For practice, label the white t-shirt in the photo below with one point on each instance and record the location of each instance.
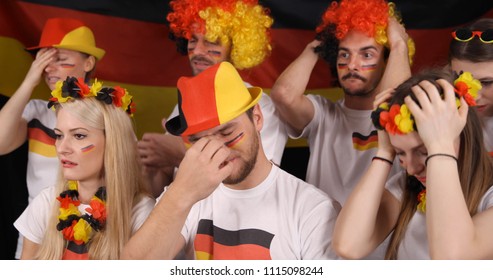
(281, 218)
(42, 163)
(33, 221)
(273, 134)
(414, 245)
(342, 143)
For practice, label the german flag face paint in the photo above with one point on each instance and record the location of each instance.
(235, 141)
(369, 67)
(87, 149)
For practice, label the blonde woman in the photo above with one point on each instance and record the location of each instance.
(99, 200)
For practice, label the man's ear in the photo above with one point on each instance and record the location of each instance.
(258, 117)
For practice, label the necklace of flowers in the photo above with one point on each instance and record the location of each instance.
(74, 226)
(422, 200)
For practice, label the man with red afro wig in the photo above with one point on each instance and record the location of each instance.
(210, 32)
(368, 50)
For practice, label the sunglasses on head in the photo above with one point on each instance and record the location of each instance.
(465, 35)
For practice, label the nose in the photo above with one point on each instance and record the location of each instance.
(63, 146)
(200, 48)
(50, 67)
(353, 63)
(413, 165)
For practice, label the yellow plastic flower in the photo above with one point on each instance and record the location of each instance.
(72, 185)
(82, 231)
(473, 84)
(403, 120)
(126, 100)
(384, 106)
(96, 87)
(66, 212)
(57, 92)
(422, 201)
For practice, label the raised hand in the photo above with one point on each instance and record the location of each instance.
(202, 169)
(438, 120)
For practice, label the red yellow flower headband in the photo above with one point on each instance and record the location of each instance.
(397, 119)
(76, 88)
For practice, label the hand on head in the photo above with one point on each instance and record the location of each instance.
(203, 168)
(396, 33)
(43, 58)
(438, 120)
(385, 149)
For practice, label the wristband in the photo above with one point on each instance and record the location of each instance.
(382, 159)
(443, 155)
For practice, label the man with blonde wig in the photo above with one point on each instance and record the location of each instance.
(210, 32)
(368, 50)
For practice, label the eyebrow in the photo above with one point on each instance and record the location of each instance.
(361, 49)
(227, 126)
(73, 129)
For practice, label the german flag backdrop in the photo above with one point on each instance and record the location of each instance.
(142, 58)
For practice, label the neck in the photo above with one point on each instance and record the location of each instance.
(87, 189)
(359, 102)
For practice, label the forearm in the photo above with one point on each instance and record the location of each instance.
(398, 69)
(450, 227)
(288, 92)
(359, 228)
(160, 235)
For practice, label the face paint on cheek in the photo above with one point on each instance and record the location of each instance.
(369, 67)
(214, 53)
(190, 51)
(235, 140)
(87, 149)
(67, 66)
(342, 66)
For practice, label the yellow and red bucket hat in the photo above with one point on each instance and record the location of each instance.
(215, 96)
(70, 34)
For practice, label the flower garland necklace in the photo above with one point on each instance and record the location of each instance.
(422, 201)
(74, 226)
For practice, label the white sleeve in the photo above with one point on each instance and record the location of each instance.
(33, 221)
(141, 211)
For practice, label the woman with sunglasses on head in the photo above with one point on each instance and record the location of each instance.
(471, 50)
(67, 48)
(100, 197)
(441, 206)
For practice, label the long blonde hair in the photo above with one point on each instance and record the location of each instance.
(122, 177)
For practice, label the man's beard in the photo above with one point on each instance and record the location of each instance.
(202, 59)
(248, 164)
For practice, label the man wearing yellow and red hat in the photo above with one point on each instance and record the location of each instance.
(209, 32)
(67, 48)
(228, 201)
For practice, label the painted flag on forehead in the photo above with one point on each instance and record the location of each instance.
(140, 56)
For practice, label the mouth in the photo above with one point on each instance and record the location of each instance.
(480, 108)
(67, 164)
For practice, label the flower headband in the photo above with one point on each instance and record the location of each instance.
(397, 119)
(76, 88)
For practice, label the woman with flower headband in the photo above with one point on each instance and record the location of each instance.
(99, 200)
(442, 208)
(67, 47)
(471, 50)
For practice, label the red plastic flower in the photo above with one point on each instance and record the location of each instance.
(118, 95)
(97, 210)
(84, 88)
(68, 232)
(66, 201)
